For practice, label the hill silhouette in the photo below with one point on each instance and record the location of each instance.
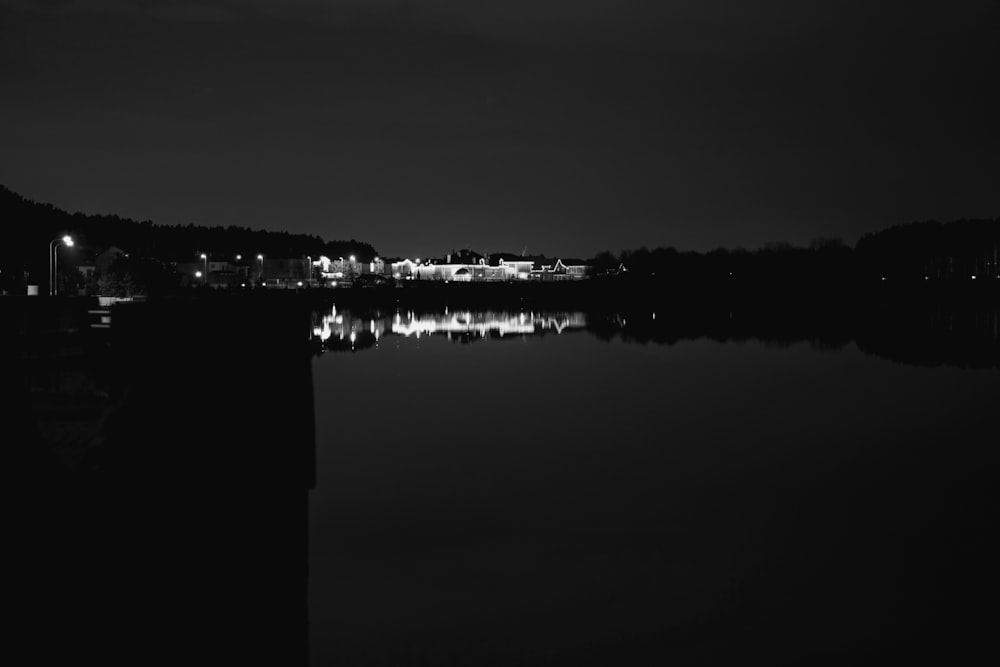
(29, 226)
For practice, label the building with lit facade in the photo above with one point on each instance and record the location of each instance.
(498, 268)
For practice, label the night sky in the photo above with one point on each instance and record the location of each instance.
(565, 127)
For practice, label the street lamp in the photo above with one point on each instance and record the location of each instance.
(67, 241)
(260, 276)
(204, 259)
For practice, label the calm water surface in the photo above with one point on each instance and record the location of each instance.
(542, 499)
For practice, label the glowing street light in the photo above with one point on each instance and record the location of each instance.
(197, 274)
(204, 259)
(67, 241)
(260, 276)
(353, 259)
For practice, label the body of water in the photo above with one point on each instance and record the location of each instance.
(508, 488)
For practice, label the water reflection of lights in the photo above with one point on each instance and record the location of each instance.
(484, 323)
(342, 325)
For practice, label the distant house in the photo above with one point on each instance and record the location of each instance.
(516, 267)
(86, 263)
(469, 266)
(214, 272)
(576, 268)
(107, 257)
(86, 270)
(287, 272)
(401, 269)
(570, 269)
(345, 270)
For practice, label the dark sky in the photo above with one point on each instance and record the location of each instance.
(564, 126)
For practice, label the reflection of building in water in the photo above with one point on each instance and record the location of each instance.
(341, 329)
(341, 325)
(484, 323)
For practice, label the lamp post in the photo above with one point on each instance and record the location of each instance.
(66, 240)
(204, 259)
(260, 275)
(309, 271)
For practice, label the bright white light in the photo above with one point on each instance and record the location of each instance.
(353, 337)
(417, 260)
(239, 257)
(197, 274)
(243, 284)
(68, 240)
(204, 256)
(973, 277)
(260, 256)
(352, 258)
(300, 283)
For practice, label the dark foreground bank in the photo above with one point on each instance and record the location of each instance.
(176, 533)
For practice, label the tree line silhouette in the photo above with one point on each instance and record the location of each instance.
(30, 226)
(920, 251)
(929, 252)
